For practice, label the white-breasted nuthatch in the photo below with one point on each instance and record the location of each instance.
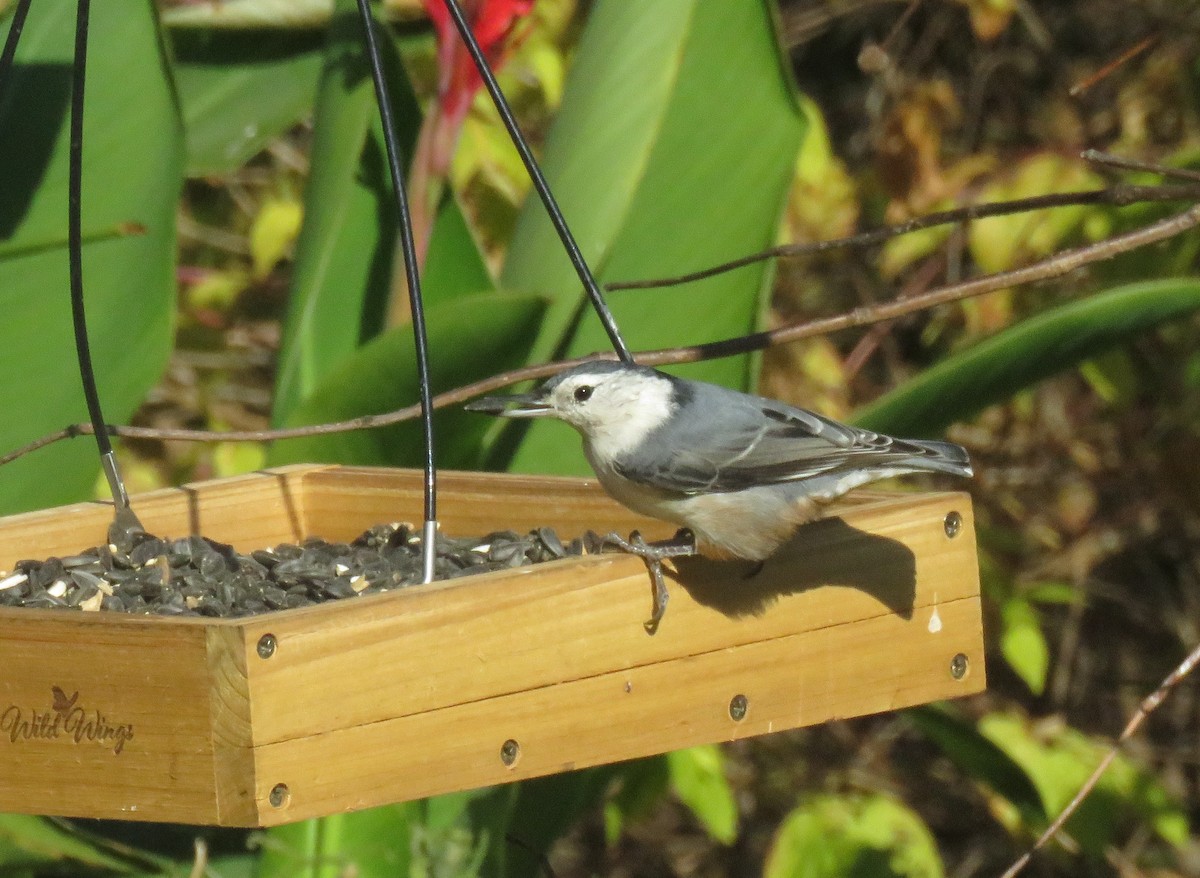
(742, 473)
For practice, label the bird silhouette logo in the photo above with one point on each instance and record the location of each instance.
(63, 704)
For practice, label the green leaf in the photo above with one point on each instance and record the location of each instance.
(835, 836)
(454, 267)
(1023, 643)
(27, 841)
(239, 91)
(133, 169)
(273, 232)
(1059, 759)
(469, 339)
(995, 369)
(233, 866)
(643, 783)
(344, 254)
(673, 150)
(1002, 242)
(370, 844)
(979, 759)
(547, 807)
(250, 14)
(698, 778)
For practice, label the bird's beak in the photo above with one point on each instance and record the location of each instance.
(521, 405)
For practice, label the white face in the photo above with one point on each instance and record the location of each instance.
(614, 410)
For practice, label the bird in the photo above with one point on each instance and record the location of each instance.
(739, 473)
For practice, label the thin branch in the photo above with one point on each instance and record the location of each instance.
(1148, 706)
(1127, 164)
(1116, 196)
(1105, 71)
(1052, 267)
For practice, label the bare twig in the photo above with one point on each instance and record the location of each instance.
(1148, 706)
(1105, 71)
(1116, 196)
(1127, 164)
(1054, 266)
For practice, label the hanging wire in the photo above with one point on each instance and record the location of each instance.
(539, 182)
(10, 43)
(124, 515)
(428, 544)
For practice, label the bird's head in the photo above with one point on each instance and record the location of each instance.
(611, 403)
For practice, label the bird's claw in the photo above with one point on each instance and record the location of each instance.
(682, 545)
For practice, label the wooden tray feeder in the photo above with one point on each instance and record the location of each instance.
(475, 681)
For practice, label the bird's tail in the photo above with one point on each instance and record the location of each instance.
(906, 456)
(938, 457)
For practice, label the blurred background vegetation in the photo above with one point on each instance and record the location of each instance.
(241, 273)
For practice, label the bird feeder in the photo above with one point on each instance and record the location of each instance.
(464, 683)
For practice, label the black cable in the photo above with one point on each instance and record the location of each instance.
(10, 44)
(411, 272)
(539, 183)
(75, 229)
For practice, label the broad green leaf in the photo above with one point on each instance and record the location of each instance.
(995, 369)
(834, 836)
(376, 843)
(239, 91)
(673, 151)
(27, 841)
(698, 778)
(133, 168)
(291, 850)
(454, 266)
(980, 759)
(1023, 643)
(344, 255)
(1059, 759)
(469, 339)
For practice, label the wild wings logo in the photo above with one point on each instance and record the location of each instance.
(65, 719)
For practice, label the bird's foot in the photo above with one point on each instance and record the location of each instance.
(682, 545)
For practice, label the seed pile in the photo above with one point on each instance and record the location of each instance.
(196, 576)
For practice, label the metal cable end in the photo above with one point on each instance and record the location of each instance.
(429, 550)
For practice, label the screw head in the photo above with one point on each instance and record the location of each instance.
(737, 707)
(510, 752)
(959, 665)
(279, 795)
(953, 524)
(266, 646)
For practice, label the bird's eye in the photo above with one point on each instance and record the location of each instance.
(583, 393)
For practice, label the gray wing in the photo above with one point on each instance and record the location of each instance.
(721, 440)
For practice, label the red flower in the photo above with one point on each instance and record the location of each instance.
(491, 21)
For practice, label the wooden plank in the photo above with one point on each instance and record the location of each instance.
(472, 504)
(106, 720)
(884, 663)
(229, 705)
(450, 643)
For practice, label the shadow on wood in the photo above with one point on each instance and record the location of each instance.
(828, 552)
